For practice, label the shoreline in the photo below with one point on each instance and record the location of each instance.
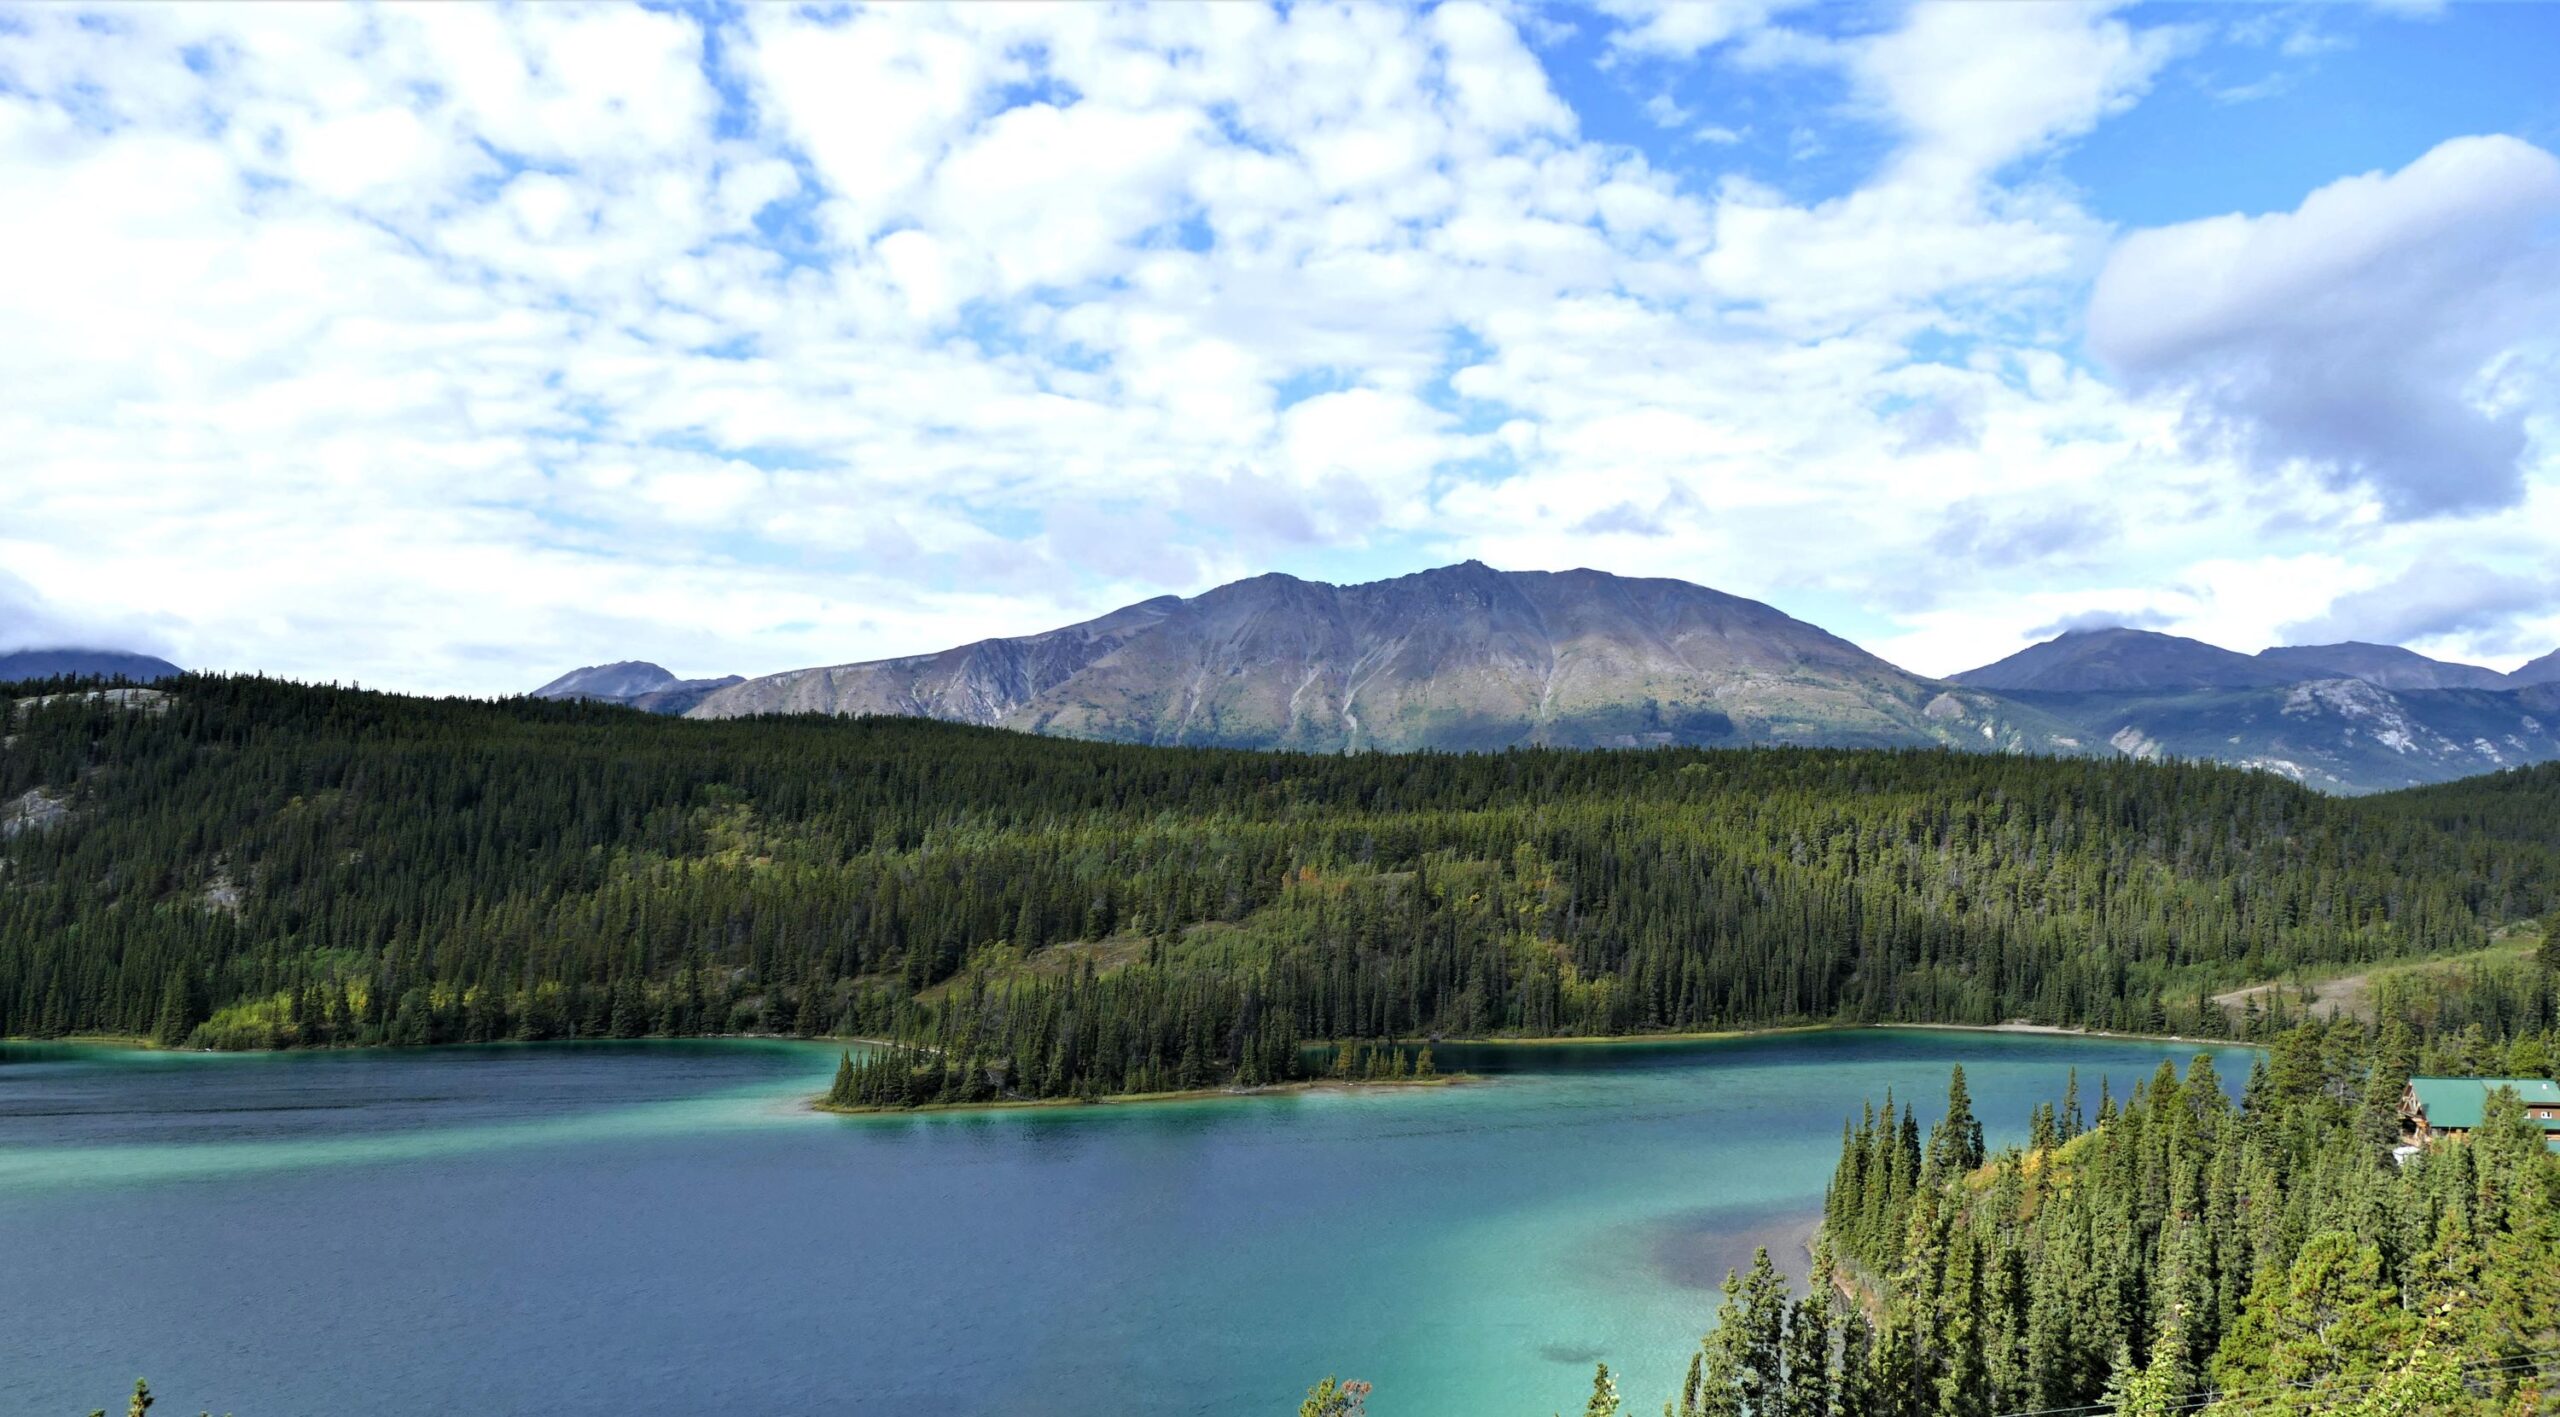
(2063, 1030)
(2055, 1030)
(138, 1043)
(1145, 1099)
(1550, 1041)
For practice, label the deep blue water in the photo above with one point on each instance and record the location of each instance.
(659, 1228)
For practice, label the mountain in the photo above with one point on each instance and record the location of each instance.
(635, 684)
(2081, 661)
(2338, 735)
(2545, 670)
(1460, 657)
(19, 665)
(1470, 658)
(2389, 666)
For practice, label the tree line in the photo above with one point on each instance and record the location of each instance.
(266, 864)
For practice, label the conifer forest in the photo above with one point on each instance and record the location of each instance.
(251, 863)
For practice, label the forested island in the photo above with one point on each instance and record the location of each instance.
(245, 863)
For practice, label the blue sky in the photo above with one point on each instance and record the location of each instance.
(448, 347)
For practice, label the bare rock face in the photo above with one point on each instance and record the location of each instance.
(1461, 657)
(32, 810)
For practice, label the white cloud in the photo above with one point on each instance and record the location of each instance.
(2363, 334)
(1680, 29)
(444, 347)
(2439, 599)
(1979, 86)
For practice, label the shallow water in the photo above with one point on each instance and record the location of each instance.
(659, 1228)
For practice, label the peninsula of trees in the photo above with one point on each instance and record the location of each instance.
(2183, 1255)
(256, 864)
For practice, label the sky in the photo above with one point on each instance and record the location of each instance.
(446, 348)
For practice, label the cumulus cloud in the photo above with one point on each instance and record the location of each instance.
(1971, 90)
(30, 620)
(2361, 335)
(444, 347)
(2433, 599)
(2079, 620)
(1679, 29)
(1970, 533)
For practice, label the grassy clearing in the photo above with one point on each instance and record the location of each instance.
(2348, 990)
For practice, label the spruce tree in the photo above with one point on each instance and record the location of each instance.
(1604, 1394)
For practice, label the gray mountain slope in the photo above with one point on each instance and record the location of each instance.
(1460, 657)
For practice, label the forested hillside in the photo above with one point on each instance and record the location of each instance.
(250, 863)
(2182, 1254)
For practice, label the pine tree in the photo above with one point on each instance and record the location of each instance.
(1956, 1143)
(1335, 1398)
(177, 1016)
(1763, 1339)
(1808, 1350)
(1604, 1394)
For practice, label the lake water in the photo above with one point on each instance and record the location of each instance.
(643, 1229)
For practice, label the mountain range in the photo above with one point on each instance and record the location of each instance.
(18, 666)
(1461, 657)
(2119, 659)
(1467, 657)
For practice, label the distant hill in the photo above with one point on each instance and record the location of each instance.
(2387, 665)
(634, 683)
(2338, 735)
(2351, 717)
(2545, 670)
(18, 666)
(1459, 657)
(2116, 659)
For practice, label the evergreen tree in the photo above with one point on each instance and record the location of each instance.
(1604, 1395)
(177, 1016)
(1334, 1397)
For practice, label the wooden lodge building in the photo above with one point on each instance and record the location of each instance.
(2436, 1108)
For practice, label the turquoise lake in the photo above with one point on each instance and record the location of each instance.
(661, 1228)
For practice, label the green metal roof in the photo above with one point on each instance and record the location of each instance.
(2457, 1102)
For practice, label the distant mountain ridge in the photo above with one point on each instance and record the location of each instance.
(2350, 717)
(2120, 659)
(634, 683)
(18, 666)
(1460, 656)
(2082, 661)
(2545, 670)
(2388, 666)
(1467, 657)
